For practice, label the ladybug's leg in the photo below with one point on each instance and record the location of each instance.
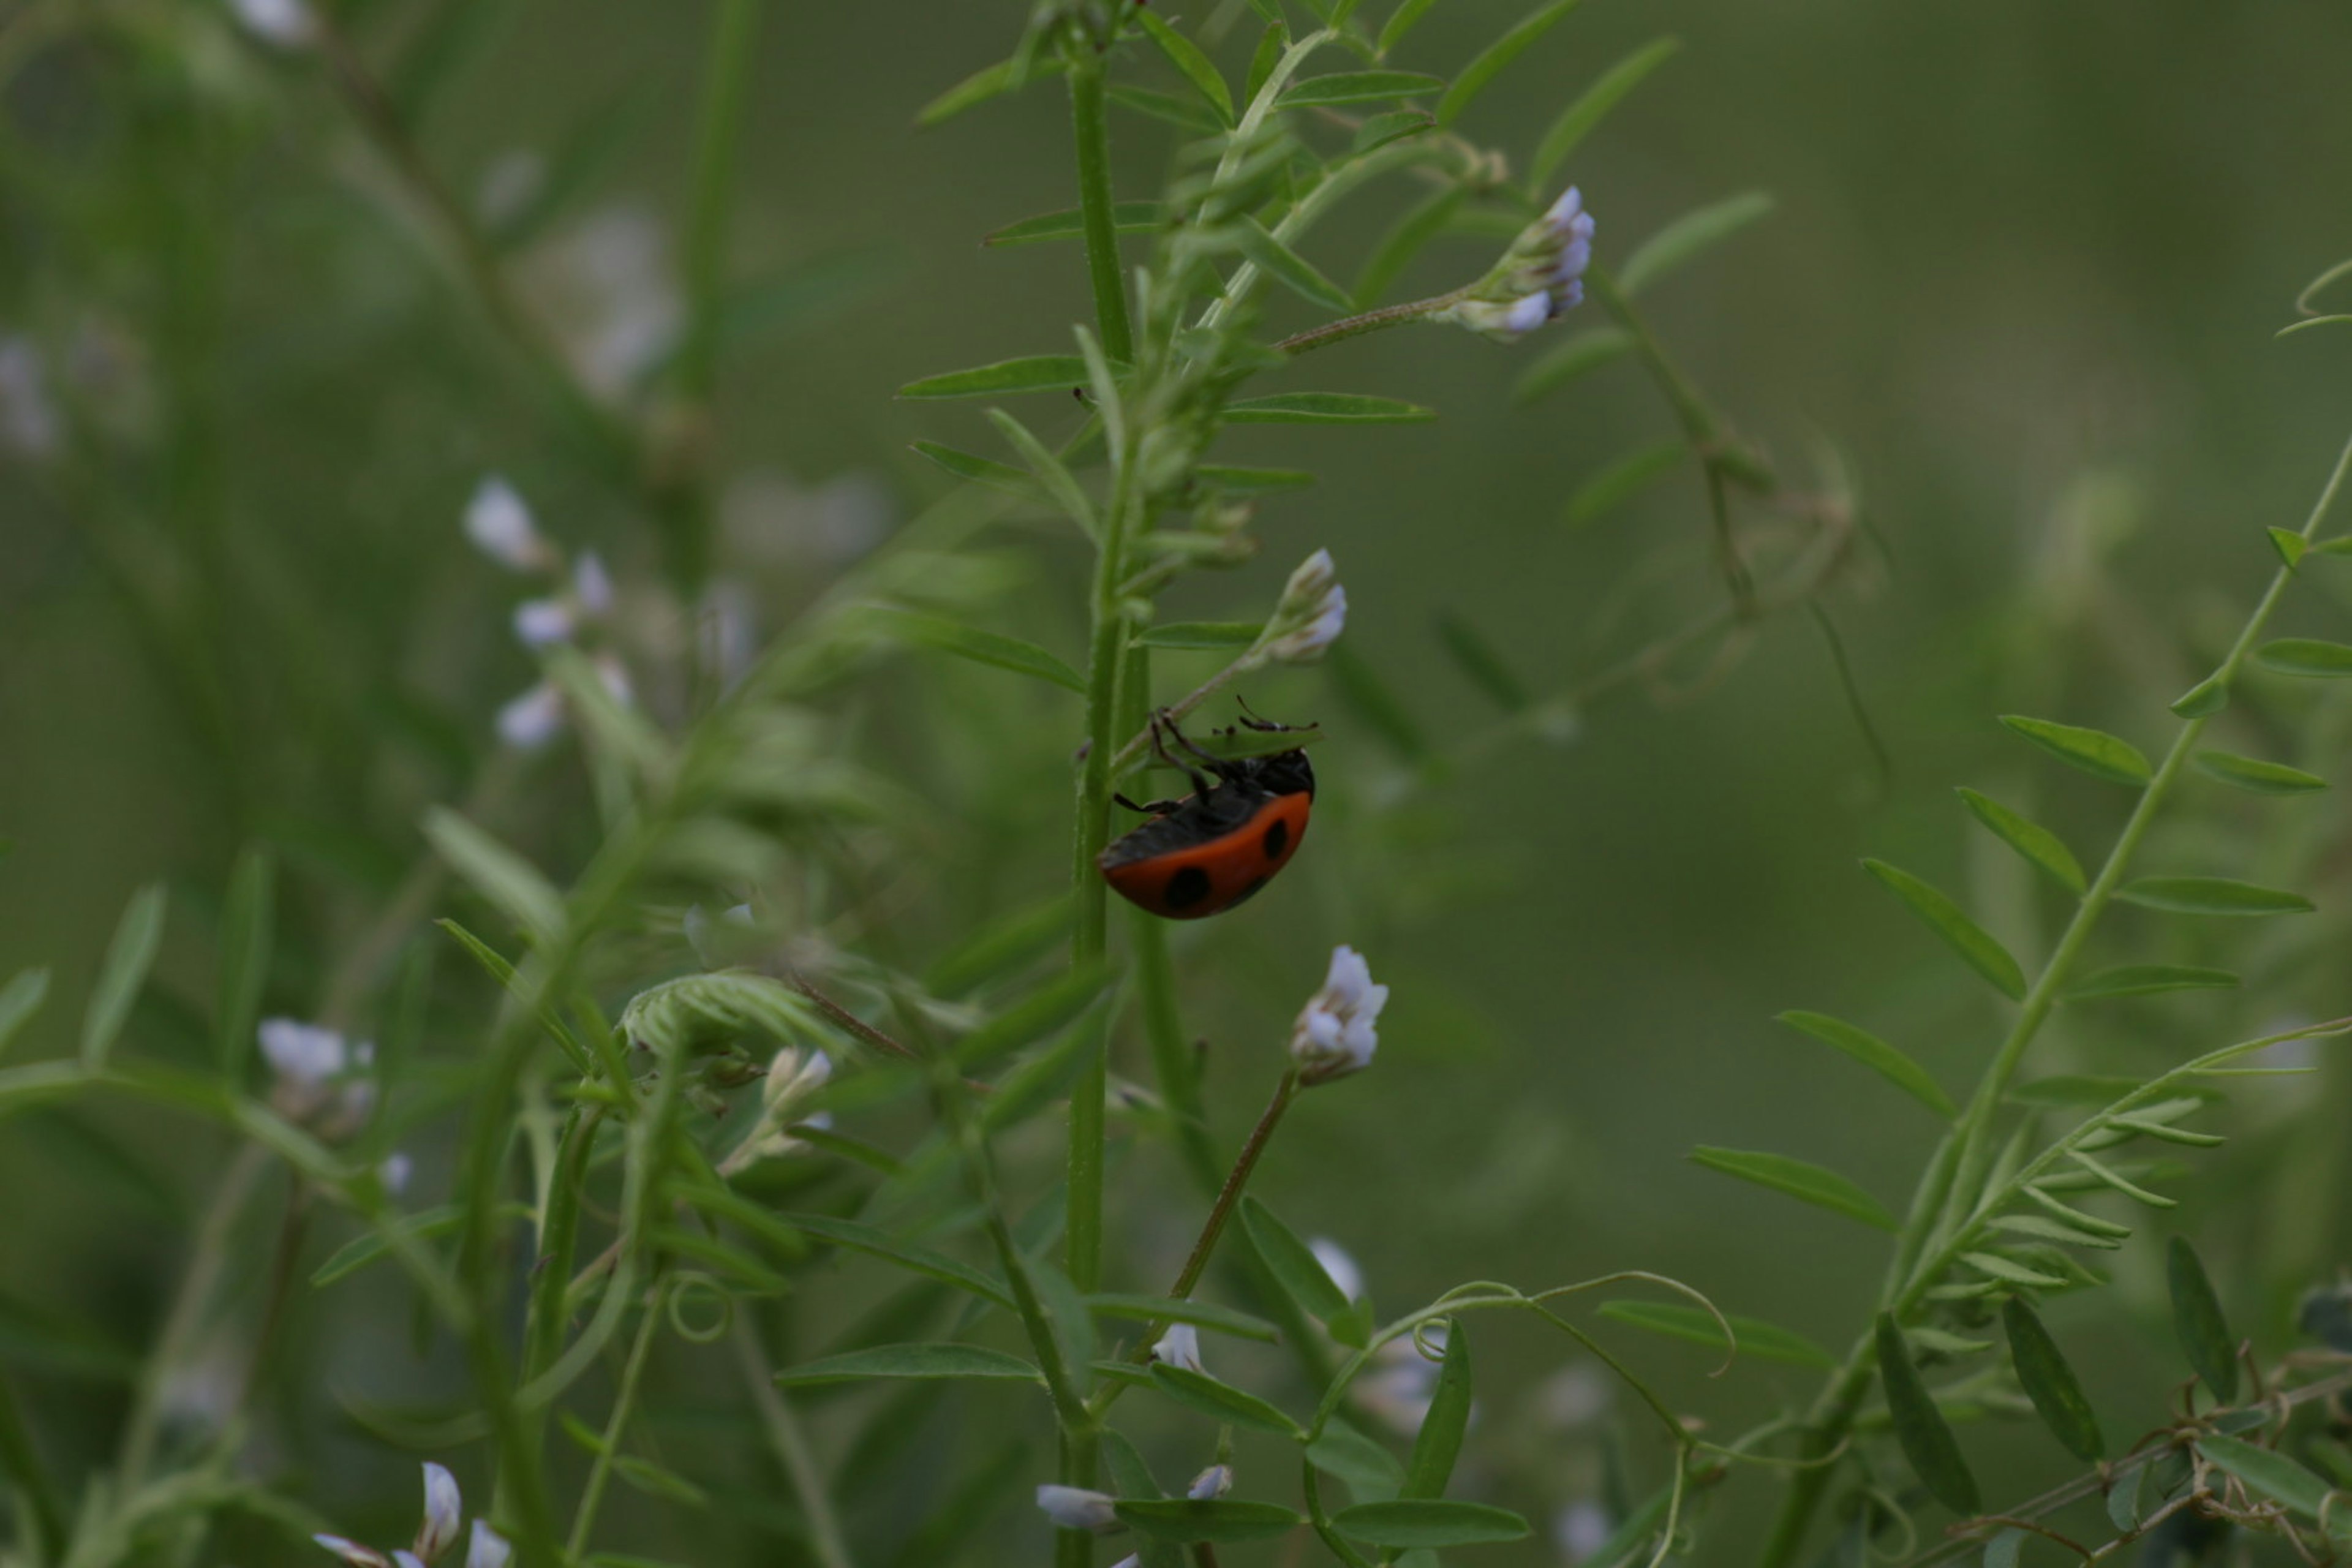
(1151, 808)
(1162, 726)
(1268, 726)
(1217, 764)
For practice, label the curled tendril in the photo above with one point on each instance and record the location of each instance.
(687, 1282)
(2304, 307)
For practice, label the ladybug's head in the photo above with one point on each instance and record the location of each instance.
(1284, 773)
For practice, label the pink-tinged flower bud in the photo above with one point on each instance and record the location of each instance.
(1074, 1508)
(1335, 1034)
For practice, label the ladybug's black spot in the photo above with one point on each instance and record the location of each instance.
(1187, 888)
(1277, 839)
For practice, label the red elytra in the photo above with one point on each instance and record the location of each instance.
(1216, 847)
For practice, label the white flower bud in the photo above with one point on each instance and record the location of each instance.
(499, 522)
(533, 719)
(1538, 280)
(352, 1553)
(1180, 1346)
(286, 23)
(1335, 1034)
(1074, 1508)
(538, 623)
(1342, 1267)
(444, 1511)
(395, 1172)
(487, 1548)
(1311, 614)
(592, 585)
(302, 1055)
(1213, 1482)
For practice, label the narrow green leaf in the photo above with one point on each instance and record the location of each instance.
(1357, 87)
(1370, 1470)
(1591, 106)
(2206, 698)
(1380, 130)
(916, 1259)
(1126, 217)
(1439, 1442)
(1478, 73)
(1222, 1402)
(990, 648)
(1291, 270)
(512, 885)
(1409, 1523)
(916, 1361)
(1402, 244)
(1292, 1262)
(1480, 663)
(120, 978)
(1201, 1314)
(1224, 634)
(1800, 1180)
(1876, 1054)
(1050, 471)
(248, 925)
(2108, 1176)
(1583, 352)
(2211, 896)
(2259, 777)
(2271, 1474)
(2004, 1547)
(2306, 656)
(2040, 846)
(362, 1250)
(1253, 481)
(2059, 1090)
(1943, 1343)
(1974, 945)
(2050, 1384)
(1033, 373)
(2147, 980)
(986, 471)
(654, 1481)
(1271, 45)
(1035, 1016)
(992, 81)
(2009, 1271)
(1187, 114)
(1001, 948)
(2290, 546)
(1623, 479)
(19, 1000)
(1218, 1519)
(1400, 22)
(2097, 753)
(1767, 1342)
(1689, 237)
(1325, 408)
(1926, 1442)
(2074, 1219)
(2197, 1320)
(1194, 65)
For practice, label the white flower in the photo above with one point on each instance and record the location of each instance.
(608, 292)
(1213, 1482)
(793, 1079)
(487, 1548)
(1581, 1529)
(1074, 1508)
(1402, 1382)
(28, 419)
(1576, 1397)
(352, 1553)
(591, 584)
(1334, 1035)
(303, 1054)
(1342, 1267)
(395, 1172)
(1132, 1559)
(1569, 229)
(316, 1074)
(444, 1510)
(615, 678)
(286, 23)
(1180, 1346)
(1311, 614)
(499, 522)
(1538, 280)
(533, 719)
(538, 623)
(407, 1560)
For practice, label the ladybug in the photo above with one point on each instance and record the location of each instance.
(1217, 847)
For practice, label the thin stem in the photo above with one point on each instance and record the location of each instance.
(1356, 326)
(591, 1495)
(792, 1447)
(1091, 129)
(20, 1460)
(559, 1235)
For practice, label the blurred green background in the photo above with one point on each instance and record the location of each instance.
(2024, 271)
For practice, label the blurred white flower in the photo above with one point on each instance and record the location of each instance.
(541, 623)
(28, 419)
(1180, 1346)
(1538, 280)
(1074, 1508)
(1311, 614)
(533, 719)
(1576, 1397)
(794, 1078)
(436, 1533)
(607, 290)
(499, 523)
(317, 1079)
(1402, 1383)
(1581, 1529)
(395, 1172)
(1342, 1267)
(352, 1553)
(286, 23)
(728, 630)
(1335, 1034)
(444, 1510)
(1213, 1482)
(592, 586)
(487, 1548)
(615, 675)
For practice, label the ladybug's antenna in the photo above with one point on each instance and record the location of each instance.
(1270, 726)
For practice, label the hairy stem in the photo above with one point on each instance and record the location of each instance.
(1364, 321)
(1091, 129)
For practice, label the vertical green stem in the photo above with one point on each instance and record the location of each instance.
(20, 1460)
(830, 1547)
(1090, 126)
(591, 1495)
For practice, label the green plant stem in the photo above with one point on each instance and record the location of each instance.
(592, 1494)
(559, 1235)
(1365, 322)
(1091, 129)
(1946, 1195)
(793, 1451)
(20, 1458)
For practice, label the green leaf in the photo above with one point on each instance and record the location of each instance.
(1186, 114)
(1971, 942)
(981, 470)
(2147, 980)
(2074, 1219)
(1325, 408)
(2050, 1384)
(1927, 1443)
(1293, 270)
(992, 648)
(1201, 1314)
(1033, 373)
(1767, 1342)
(1412, 1522)
(1583, 352)
(19, 1000)
(1222, 1402)
(1876, 1054)
(1049, 469)
(247, 927)
(1033, 1017)
(1357, 87)
(1396, 250)
(1208, 1518)
(2096, 752)
(654, 1481)
(1371, 1471)
(2040, 846)
(1439, 1442)
(1271, 45)
(2259, 777)
(1194, 65)
(2271, 1474)
(1400, 22)
(2003, 1548)
(2290, 546)
(1395, 125)
(1946, 1344)
(2009, 1271)
(2211, 896)
(1478, 661)
(997, 949)
(1292, 1262)
(1221, 635)
(1478, 73)
(1253, 481)
(1126, 217)
(1689, 236)
(1623, 479)
(917, 1361)
(2208, 697)
(512, 885)
(2196, 1321)
(367, 1247)
(1800, 1180)
(2042, 1229)
(992, 81)
(2306, 656)
(2108, 1176)
(1577, 120)
(916, 1259)
(120, 978)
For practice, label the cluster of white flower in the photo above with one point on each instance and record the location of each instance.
(1310, 615)
(1335, 1034)
(793, 1079)
(499, 524)
(444, 1512)
(317, 1079)
(1540, 279)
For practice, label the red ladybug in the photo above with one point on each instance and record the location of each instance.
(1217, 847)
